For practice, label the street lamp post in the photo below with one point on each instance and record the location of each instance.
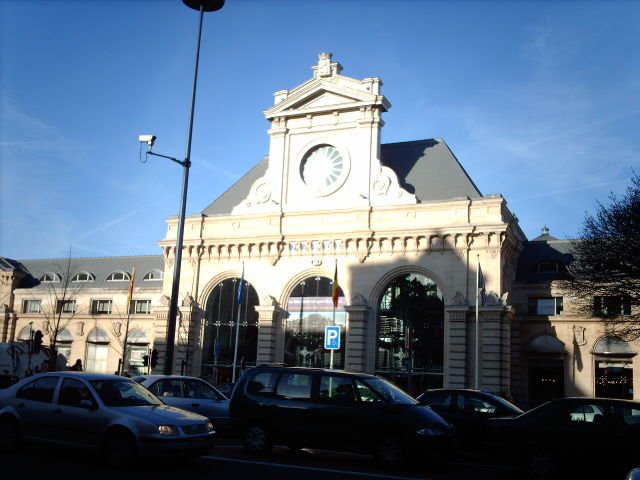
(202, 6)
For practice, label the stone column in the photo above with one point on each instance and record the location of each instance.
(268, 316)
(356, 338)
(457, 349)
(160, 337)
(495, 349)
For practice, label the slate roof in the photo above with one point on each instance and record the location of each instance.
(426, 168)
(100, 268)
(544, 248)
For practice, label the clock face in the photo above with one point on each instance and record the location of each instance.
(324, 169)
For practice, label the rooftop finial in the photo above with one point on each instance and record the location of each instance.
(325, 67)
(545, 230)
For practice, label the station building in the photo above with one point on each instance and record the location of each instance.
(400, 232)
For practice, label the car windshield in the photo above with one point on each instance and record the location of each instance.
(124, 393)
(508, 405)
(390, 392)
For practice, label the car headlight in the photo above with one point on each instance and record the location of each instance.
(210, 427)
(167, 430)
(431, 431)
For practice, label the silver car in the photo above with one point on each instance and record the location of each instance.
(190, 393)
(113, 414)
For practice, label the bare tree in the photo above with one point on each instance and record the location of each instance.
(61, 307)
(124, 321)
(605, 274)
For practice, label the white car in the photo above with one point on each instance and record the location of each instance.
(106, 412)
(193, 394)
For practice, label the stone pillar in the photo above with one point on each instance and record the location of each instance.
(160, 338)
(356, 338)
(456, 362)
(268, 316)
(495, 338)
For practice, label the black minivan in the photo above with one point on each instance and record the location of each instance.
(336, 410)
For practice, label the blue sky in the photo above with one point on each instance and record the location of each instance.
(540, 102)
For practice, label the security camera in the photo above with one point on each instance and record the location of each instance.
(148, 139)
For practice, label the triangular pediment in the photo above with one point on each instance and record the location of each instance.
(317, 95)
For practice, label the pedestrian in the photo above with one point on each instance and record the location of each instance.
(77, 367)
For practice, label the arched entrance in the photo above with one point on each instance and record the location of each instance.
(410, 333)
(613, 368)
(223, 312)
(311, 309)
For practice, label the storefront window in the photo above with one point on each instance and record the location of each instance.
(411, 333)
(311, 309)
(219, 345)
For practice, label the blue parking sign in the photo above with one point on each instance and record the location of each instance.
(332, 337)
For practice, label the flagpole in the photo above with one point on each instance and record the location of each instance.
(126, 329)
(477, 348)
(235, 350)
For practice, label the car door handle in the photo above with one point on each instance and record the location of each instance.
(195, 404)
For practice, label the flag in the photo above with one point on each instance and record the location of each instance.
(335, 289)
(133, 279)
(241, 287)
(481, 286)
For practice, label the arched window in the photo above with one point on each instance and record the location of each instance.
(63, 344)
(310, 308)
(97, 351)
(118, 276)
(25, 333)
(50, 277)
(411, 333)
(219, 343)
(153, 275)
(83, 277)
(137, 348)
(613, 359)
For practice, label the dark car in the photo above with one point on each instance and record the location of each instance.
(596, 435)
(336, 410)
(193, 394)
(468, 410)
(109, 413)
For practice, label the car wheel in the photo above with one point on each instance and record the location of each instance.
(9, 435)
(389, 452)
(257, 439)
(119, 448)
(540, 464)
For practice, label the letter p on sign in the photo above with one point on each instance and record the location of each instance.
(332, 337)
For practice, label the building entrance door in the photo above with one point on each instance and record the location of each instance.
(546, 382)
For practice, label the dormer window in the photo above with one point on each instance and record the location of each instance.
(50, 277)
(153, 275)
(548, 266)
(83, 277)
(118, 276)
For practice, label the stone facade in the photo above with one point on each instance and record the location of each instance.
(331, 201)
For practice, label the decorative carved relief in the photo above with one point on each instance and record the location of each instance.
(358, 299)
(164, 300)
(493, 298)
(578, 335)
(459, 299)
(80, 329)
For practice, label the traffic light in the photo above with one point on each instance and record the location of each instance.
(145, 360)
(154, 358)
(37, 341)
